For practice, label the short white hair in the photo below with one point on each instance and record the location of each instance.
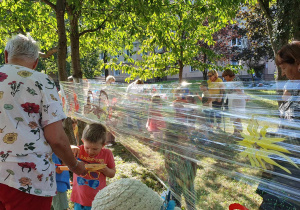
(110, 78)
(22, 47)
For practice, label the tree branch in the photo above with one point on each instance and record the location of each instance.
(53, 6)
(92, 30)
(48, 53)
(265, 10)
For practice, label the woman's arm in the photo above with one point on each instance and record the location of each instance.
(59, 142)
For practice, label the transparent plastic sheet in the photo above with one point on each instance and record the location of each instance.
(210, 157)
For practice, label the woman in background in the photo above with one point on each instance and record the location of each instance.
(288, 59)
(216, 90)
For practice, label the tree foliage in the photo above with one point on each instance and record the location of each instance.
(257, 46)
(283, 22)
(169, 38)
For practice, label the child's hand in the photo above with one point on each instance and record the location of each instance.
(103, 170)
(58, 171)
(75, 150)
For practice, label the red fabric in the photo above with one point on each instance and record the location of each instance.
(237, 206)
(84, 194)
(155, 121)
(13, 199)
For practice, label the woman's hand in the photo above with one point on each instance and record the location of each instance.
(79, 169)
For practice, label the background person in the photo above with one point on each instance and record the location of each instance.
(134, 96)
(155, 123)
(110, 79)
(60, 200)
(216, 90)
(92, 151)
(288, 59)
(31, 112)
(115, 196)
(236, 99)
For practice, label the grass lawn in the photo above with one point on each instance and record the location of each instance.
(214, 188)
(217, 184)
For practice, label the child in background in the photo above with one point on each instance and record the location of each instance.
(92, 151)
(191, 110)
(207, 107)
(155, 122)
(181, 171)
(205, 98)
(60, 200)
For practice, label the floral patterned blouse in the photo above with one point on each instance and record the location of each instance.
(28, 102)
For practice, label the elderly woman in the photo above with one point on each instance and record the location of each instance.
(216, 90)
(288, 59)
(31, 131)
(110, 79)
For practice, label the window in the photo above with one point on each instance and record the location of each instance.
(128, 53)
(117, 72)
(192, 69)
(236, 42)
(233, 62)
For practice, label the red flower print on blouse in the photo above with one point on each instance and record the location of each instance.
(3, 76)
(30, 108)
(28, 165)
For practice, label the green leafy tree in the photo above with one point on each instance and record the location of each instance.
(257, 46)
(169, 38)
(282, 21)
(44, 23)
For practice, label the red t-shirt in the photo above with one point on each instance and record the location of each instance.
(85, 188)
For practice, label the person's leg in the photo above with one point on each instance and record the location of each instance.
(60, 201)
(189, 190)
(217, 111)
(13, 199)
(78, 206)
(238, 127)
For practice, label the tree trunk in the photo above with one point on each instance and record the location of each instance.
(62, 40)
(69, 130)
(81, 125)
(180, 70)
(105, 60)
(74, 38)
(296, 21)
(279, 32)
(205, 70)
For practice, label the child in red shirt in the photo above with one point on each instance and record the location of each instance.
(92, 151)
(155, 122)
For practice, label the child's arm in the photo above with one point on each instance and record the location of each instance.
(75, 150)
(199, 96)
(108, 172)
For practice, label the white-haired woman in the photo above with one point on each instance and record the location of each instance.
(31, 131)
(110, 79)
